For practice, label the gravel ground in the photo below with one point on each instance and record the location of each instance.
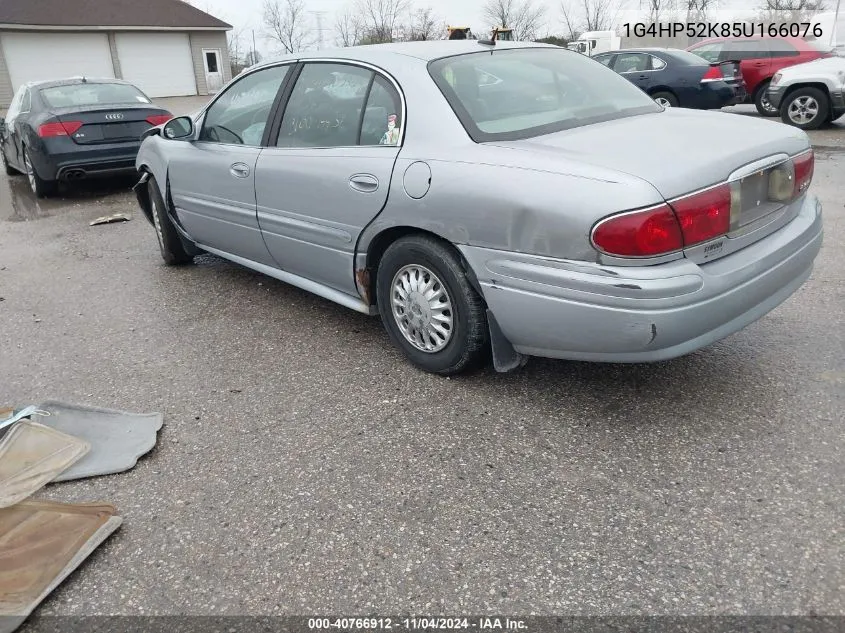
(305, 467)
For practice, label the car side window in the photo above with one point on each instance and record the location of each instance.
(709, 52)
(744, 49)
(382, 120)
(15, 106)
(239, 115)
(781, 48)
(630, 62)
(656, 63)
(26, 103)
(326, 107)
(604, 59)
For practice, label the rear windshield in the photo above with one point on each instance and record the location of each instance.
(91, 94)
(690, 58)
(519, 93)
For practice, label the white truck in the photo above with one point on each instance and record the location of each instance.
(595, 42)
(810, 95)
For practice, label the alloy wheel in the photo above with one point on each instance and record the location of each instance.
(30, 173)
(663, 102)
(803, 110)
(422, 308)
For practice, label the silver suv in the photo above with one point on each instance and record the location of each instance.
(810, 95)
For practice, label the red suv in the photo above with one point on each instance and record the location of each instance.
(760, 59)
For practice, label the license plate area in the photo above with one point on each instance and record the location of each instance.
(755, 197)
(115, 131)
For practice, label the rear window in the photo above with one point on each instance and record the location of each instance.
(691, 58)
(89, 94)
(517, 94)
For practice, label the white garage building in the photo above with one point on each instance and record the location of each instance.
(167, 48)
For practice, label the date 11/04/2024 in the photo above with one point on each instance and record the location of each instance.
(722, 29)
(417, 624)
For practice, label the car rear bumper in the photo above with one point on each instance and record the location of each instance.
(65, 160)
(587, 311)
(721, 94)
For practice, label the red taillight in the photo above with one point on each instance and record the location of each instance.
(804, 167)
(704, 215)
(65, 128)
(714, 73)
(159, 119)
(640, 234)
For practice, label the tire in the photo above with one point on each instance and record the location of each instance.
(423, 259)
(665, 99)
(172, 249)
(802, 103)
(40, 187)
(761, 102)
(10, 171)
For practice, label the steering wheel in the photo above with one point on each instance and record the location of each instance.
(260, 113)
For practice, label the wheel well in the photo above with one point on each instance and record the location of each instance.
(144, 196)
(816, 85)
(366, 277)
(761, 86)
(654, 91)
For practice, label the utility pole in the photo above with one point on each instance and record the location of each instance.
(318, 16)
(254, 60)
(833, 33)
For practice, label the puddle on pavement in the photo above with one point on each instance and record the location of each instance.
(19, 204)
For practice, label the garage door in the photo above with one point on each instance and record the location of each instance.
(40, 56)
(160, 64)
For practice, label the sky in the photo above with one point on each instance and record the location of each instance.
(246, 15)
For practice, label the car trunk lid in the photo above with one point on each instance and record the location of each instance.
(109, 124)
(681, 152)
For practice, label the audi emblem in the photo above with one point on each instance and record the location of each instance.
(114, 117)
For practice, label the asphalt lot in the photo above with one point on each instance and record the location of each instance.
(305, 467)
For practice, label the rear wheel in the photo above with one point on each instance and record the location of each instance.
(762, 103)
(430, 310)
(40, 187)
(172, 249)
(805, 108)
(665, 99)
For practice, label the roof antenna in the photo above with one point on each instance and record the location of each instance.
(492, 40)
(85, 81)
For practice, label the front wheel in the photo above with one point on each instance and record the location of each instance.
(172, 249)
(805, 108)
(762, 103)
(665, 99)
(429, 308)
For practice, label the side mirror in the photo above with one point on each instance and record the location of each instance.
(179, 128)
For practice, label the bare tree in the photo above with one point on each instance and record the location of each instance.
(422, 26)
(348, 28)
(697, 10)
(588, 15)
(286, 22)
(237, 58)
(524, 17)
(380, 19)
(785, 11)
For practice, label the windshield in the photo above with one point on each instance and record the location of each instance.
(533, 91)
(89, 94)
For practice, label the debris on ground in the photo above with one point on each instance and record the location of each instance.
(31, 456)
(117, 438)
(43, 542)
(110, 219)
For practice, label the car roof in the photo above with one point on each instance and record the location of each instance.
(71, 81)
(425, 51)
(798, 42)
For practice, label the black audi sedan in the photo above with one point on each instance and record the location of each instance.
(75, 128)
(678, 78)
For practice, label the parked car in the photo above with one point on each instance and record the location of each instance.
(76, 128)
(675, 78)
(760, 59)
(810, 95)
(511, 197)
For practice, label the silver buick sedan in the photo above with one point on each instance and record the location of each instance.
(490, 200)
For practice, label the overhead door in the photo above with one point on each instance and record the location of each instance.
(54, 55)
(160, 64)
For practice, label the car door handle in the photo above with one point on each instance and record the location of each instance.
(239, 170)
(643, 76)
(365, 183)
